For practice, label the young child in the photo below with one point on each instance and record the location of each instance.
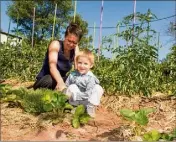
(83, 85)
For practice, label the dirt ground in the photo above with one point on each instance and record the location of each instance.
(108, 125)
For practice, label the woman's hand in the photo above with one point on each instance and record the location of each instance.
(60, 87)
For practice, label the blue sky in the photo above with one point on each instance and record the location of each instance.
(113, 12)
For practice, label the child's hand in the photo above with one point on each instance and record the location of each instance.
(68, 93)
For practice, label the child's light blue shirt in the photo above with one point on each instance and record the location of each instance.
(85, 82)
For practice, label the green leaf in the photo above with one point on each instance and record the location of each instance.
(127, 114)
(174, 133)
(47, 107)
(75, 122)
(155, 135)
(80, 109)
(68, 106)
(10, 98)
(84, 118)
(54, 97)
(141, 118)
(165, 136)
(148, 110)
(46, 98)
(146, 137)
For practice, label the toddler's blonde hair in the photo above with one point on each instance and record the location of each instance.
(86, 53)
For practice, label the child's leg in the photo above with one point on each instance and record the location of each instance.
(94, 99)
(96, 95)
(90, 108)
(71, 92)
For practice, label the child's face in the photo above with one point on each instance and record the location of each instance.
(83, 65)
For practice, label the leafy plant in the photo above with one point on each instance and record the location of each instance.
(54, 101)
(80, 117)
(4, 88)
(154, 135)
(139, 116)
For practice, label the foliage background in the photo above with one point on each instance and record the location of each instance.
(134, 68)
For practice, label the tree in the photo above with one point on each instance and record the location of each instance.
(21, 13)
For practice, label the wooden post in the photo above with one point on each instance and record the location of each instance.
(94, 37)
(54, 21)
(9, 29)
(134, 18)
(87, 41)
(75, 11)
(158, 44)
(17, 22)
(115, 46)
(101, 18)
(33, 28)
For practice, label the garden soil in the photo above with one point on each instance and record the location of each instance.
(108, 125)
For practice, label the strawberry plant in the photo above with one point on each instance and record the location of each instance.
(154, 135)
(139, 116)
(80, 117)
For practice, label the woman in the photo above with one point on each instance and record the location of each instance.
(58, 60)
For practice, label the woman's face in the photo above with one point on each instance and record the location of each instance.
(70, 42)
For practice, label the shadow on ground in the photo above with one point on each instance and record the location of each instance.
(112, 135)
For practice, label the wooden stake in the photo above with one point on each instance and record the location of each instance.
(94, 37)
(33, 28)
(75, 10)
(9, 29)
(54, 21)
(101, 18)
(134, 18)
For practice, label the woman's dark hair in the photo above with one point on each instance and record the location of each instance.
(74, 29)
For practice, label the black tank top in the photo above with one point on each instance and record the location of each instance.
(63, 64)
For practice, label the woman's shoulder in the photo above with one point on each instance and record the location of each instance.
(55, 44)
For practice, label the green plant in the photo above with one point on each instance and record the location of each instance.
(139, 116)
(80, 117)
(154, 135)
(4, 89)
(54, 101)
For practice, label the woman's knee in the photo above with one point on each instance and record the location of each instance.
(45, 82)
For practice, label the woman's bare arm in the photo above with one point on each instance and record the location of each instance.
(54, 48)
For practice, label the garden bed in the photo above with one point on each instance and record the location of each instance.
(108, 125)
